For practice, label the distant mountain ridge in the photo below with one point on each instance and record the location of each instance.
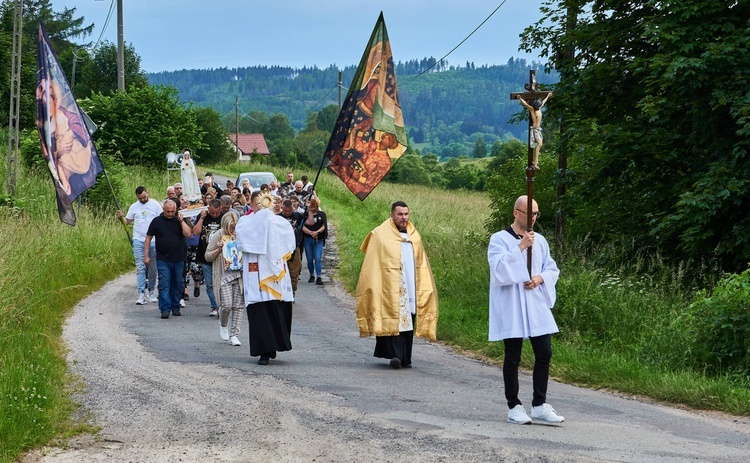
(447, 105)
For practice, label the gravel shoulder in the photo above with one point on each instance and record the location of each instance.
(172, 390)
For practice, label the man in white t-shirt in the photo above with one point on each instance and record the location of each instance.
(141, 213)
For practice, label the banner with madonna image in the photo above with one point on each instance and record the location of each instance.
(369, 136)
(66, 143)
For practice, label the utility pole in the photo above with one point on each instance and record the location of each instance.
(237, 127)
(339, 89)
(15, 97)
(120, 50)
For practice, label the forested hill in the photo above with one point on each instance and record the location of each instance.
(446, 109)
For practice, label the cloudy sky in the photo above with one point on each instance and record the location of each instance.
(192, 34)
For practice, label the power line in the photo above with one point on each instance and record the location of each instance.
(461, 43)
(106, 24)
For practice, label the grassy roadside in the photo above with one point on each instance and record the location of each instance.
(47, 267)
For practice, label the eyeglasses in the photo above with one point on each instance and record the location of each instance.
(536, 215)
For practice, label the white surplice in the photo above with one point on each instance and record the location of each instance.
(516, 312)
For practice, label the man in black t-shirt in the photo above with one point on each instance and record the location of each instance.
(206, 224)
(295, 220)
(170, 231)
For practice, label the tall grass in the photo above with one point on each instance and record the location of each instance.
(46, 268)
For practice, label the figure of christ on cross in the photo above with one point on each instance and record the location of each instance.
(533, 100)
(537, 99)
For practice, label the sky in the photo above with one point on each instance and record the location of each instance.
(191, 34)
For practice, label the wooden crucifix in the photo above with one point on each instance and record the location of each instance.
(533, 100)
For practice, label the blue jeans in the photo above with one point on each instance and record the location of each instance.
(314, 253)
(208, 277)
(171, 284)
(140, 267)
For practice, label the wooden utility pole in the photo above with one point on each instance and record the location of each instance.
(532, 93)
(237, 127)
(120, 50)
(15, 97)
(340, 89)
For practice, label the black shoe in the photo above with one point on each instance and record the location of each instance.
(312, 279)
(263, 361)
(197, 291)
(395, 363)
(272, 355)
(186, 296)
(319, 281)
(165, 315)
(176, 313)
(406, 365)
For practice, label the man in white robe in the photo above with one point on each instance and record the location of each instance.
(267, 241)
(521, 308)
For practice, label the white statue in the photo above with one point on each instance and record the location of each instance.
(190, 188)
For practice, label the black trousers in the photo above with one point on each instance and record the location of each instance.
(542, 346)
(388, 347)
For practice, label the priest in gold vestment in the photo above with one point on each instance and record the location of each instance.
(396, 294)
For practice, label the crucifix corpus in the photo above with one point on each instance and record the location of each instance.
(533, 100)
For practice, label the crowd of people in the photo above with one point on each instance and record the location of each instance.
(179, 239)
(247, 246)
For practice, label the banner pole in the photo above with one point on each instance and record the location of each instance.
(117, 205)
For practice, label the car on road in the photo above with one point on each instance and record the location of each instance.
(256, 179)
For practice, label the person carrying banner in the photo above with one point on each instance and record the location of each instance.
(140, 214)
(396, 293)
(267, 242)
(521, 308)
(295, 219)
(170, 231)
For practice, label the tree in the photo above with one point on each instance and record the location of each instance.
(658, 117)
(61, 28)
(480, 149)
(214, 138)
(99, 71)
(142, 125)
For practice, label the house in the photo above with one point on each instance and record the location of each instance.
(249, 143)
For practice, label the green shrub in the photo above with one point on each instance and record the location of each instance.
(720, 324)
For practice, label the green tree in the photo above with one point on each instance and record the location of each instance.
(480, 149)
(142, 125)
(217, 150)
(61, 28)
(658, 121)
(99, 71)
(409, 170)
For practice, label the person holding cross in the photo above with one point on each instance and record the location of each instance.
(535, 126)
(521, 302)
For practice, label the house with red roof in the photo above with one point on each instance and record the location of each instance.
(248, 144)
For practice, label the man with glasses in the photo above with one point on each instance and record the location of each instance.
(521, 308)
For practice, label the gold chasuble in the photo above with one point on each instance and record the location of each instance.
(379, 286)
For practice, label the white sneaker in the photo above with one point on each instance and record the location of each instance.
(546, 414)
(234, 341)
(141, 299)
(224, 333)
(517, 415)
(151, 297)
(182, 303)
(213, 313)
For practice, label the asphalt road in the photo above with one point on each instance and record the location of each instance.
(172, 390)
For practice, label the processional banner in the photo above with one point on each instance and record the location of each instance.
(369, 136)
(67, 147)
